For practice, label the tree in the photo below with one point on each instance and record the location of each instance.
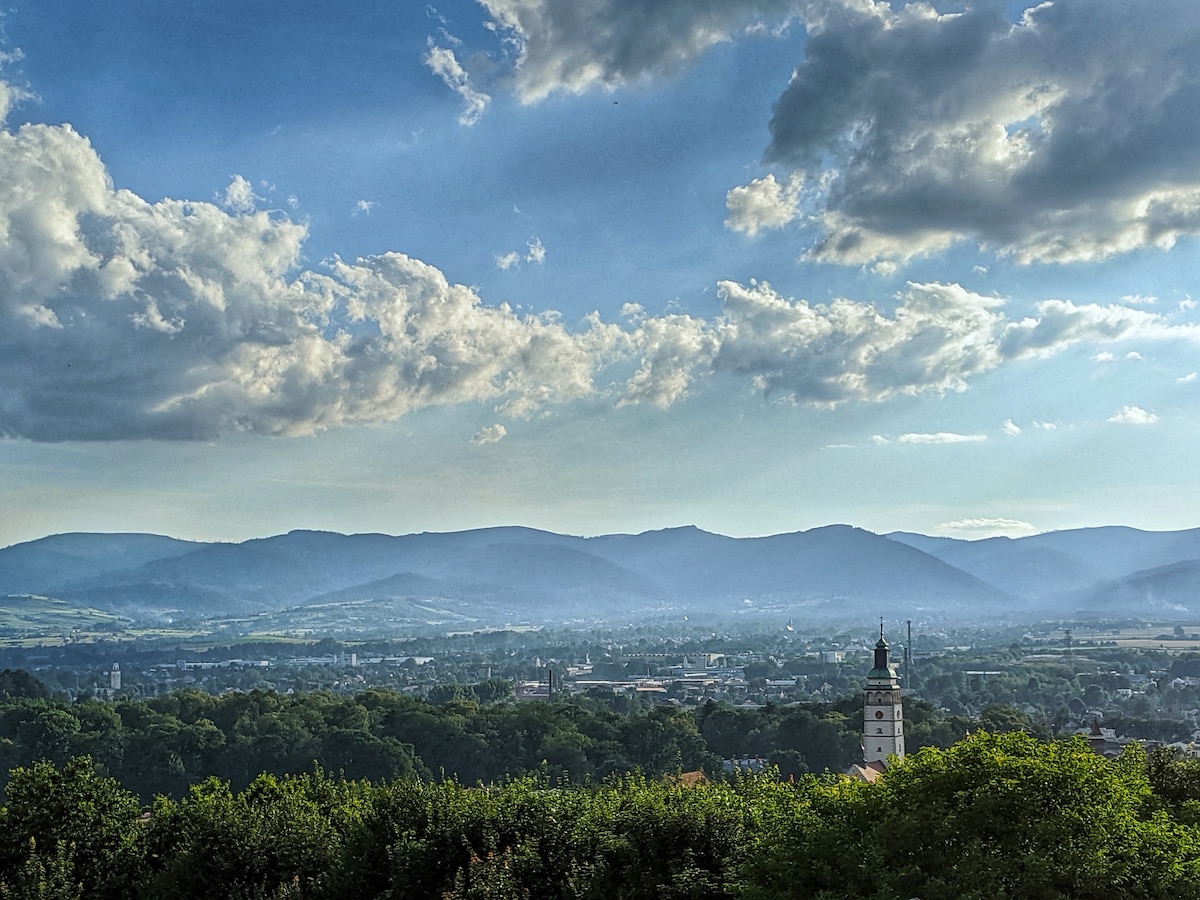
(43, 876)
(278, 836)
(18, 684)
(90, 824)
(994, 816)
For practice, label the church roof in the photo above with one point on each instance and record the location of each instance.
(867, 772)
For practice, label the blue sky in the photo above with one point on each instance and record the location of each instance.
(754, 266)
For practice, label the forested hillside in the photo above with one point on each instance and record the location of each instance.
(993, 816)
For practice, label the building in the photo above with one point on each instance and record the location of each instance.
(114, 678)
(883, 712)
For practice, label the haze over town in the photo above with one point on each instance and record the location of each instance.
(753, 266)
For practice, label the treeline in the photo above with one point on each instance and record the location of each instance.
(166, 744)
(993, 816)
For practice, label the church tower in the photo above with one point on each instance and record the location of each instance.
(883, 725)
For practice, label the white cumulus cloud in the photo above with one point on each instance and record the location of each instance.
(1133, 415)
(763, 203)
(121, 318)
(490, 434)
(239, 197)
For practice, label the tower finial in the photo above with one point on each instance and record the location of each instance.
(881, 628)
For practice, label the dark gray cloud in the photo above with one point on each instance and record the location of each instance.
(1073, 134)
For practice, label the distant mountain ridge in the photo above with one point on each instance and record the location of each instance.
(496, 575)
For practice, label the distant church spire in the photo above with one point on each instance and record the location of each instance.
(883, 712)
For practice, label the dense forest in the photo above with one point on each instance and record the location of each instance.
(470, 794)
(993, 816)
(163, 745)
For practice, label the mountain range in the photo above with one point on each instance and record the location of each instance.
(494, 576)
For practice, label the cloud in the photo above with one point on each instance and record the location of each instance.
(490, 434)
(941, 437)
(11, 95)
(124, 319)
(937, 338)
(535, 253)
(239, 197)
(1071, 135)
(1061, 323)
(1010, 427)
(567, 46)
(445, 65)
(827, 354)
(1133, 415)
(990, 526)
(1186, 379)
(763, 203)
(364, 206)
(672, 350)
(1046, 426)
(1103, 357)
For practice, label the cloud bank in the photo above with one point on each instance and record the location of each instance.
(123, 319)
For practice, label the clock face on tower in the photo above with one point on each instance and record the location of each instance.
(879, 713)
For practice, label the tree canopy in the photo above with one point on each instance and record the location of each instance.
(995, 815)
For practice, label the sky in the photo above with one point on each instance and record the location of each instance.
(752, 265)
